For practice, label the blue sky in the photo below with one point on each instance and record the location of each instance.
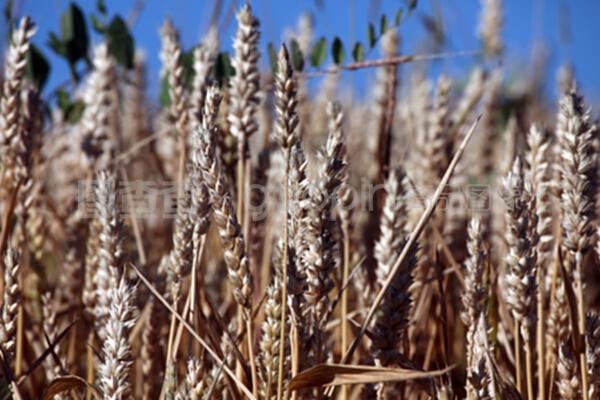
(526, 23)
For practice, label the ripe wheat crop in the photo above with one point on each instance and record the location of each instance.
(254, 237)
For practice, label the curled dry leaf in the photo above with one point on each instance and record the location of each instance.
(337, 374)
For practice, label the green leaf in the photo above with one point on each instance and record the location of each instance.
(337, 51)
(412, 4)
(121, 42)
(272, 57)
(75, 111)
(372, 36)
(223, 70)
(187, 62)
(164, 97)
(38, 67)
(57, 45)
(358, 52)
(398, 17)
(297, 56)
(319, 53)
(101, 7)
(74, 33)
(383, 25)
(63, 100)
(98, 25)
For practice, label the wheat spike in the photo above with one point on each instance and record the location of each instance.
(244, 86)
(269, 343)
(539, 174)
(475, 296)
(174, 70)
(286, 102)
(205, 159)
(392, 320)
(439, 139)
(100, 108)
(117, 360)
(204, 58)
(10, 304)
(110, 249)
(150, 352)
(480, 383)
(490, 26)
(317, 257)
(521, 260)
(592, 342)
(577, 169)
(10, 103)
(568, 378)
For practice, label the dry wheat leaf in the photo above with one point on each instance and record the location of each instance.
(335, 374)
(69, 382)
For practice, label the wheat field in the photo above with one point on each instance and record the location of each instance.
(251, 237)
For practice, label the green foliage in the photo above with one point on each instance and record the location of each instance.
(223, 70)
(372, 36)
(74, 33)
(337, 51)
(101, 7)
(187, 63)
(412, 4)
(98, 25)
(319, 53)
(272, 57)
(73, 42)
(38, 67)
(72, 110)
(358, 52)
(164, 96)
(398, 17)
(383, 26)
(120, 42)
(296, 55)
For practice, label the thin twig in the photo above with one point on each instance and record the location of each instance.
(390, 61)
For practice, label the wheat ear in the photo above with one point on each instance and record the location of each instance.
(270, 341)
(236, 258)
(100, 107)
(521, 261)
(10, 304)
(243, 95)
(204, 58)
(578, 179)
(392, 319)
(318, 258)
(117, 360)
(474, 296)
(285, 136)
(490, 26)
(110, 248)
(480, 381)
(10, 103)
(568, 380)
(592, 343)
